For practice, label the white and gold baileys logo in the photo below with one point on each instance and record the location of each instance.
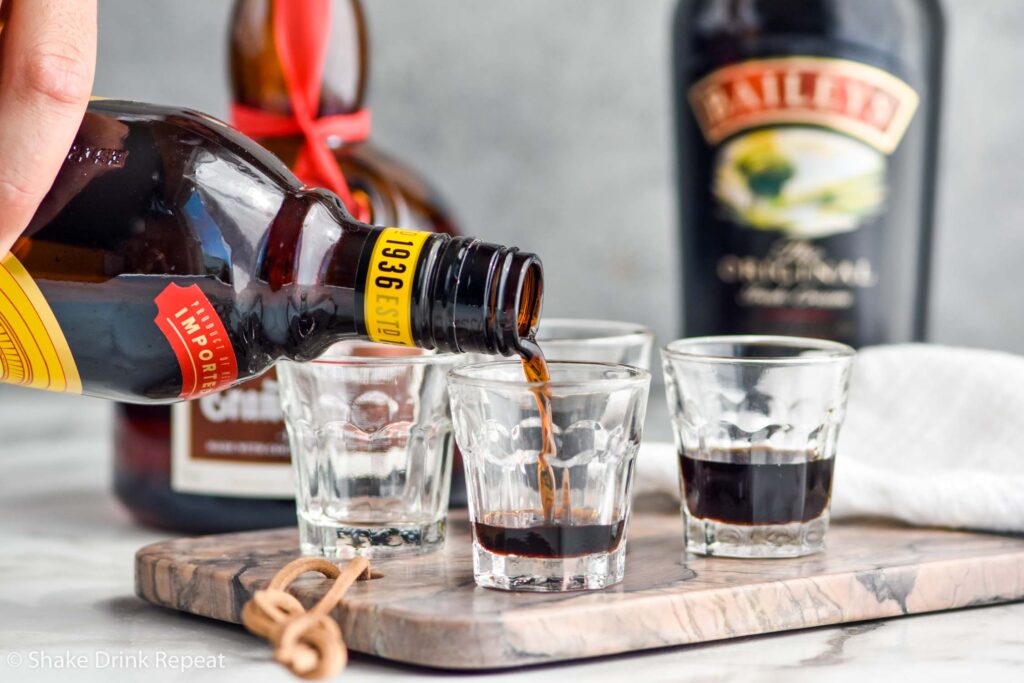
(862, 101)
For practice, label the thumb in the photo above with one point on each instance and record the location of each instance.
(47, 62)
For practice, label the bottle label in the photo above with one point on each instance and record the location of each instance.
(232, 443)
(199, 339)
(800, 161)
(33, 350)
(388, 298)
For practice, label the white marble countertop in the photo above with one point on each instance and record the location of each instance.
(68, 612)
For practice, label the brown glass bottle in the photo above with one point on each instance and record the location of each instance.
(178, 258)
(240, 493)
(174, 257)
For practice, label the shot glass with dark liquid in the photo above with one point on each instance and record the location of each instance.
(549, 470)
(756, 420)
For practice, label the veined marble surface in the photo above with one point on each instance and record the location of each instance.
(68, 612)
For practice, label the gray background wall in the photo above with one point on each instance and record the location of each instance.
(548, 125)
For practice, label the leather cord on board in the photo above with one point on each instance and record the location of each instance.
(308, 643)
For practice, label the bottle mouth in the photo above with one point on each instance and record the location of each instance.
(531, 296)
(518, 284)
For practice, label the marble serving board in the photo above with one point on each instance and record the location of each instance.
(427, 611)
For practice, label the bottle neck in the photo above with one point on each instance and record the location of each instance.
(476, 297)
(336, 278)
(257, 78)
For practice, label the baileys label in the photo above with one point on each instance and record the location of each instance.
(802, 146)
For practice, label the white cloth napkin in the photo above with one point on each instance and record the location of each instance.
(934, 436)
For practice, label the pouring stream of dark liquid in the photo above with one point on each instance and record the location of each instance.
(535, 368)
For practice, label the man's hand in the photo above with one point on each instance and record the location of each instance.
(47, 61)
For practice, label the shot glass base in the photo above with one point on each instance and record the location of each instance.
(517, 573)
(345, 541)
(711, 537)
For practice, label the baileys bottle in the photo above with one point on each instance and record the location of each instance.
(806, 144)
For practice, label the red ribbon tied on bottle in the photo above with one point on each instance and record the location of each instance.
(301, 32)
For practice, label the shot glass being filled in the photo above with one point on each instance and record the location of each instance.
(571, 339)
(549, 469)
(756, 421)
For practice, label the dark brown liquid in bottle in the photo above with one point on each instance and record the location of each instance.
(777, 487)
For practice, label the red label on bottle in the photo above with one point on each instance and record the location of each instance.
(199, 339)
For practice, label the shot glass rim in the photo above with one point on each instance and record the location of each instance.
(637, 376)
(625, 332)
(685, 349)
(429, 356)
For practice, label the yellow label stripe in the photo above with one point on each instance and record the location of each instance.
(389, 285)
(33, 350)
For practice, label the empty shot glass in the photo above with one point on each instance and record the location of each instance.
(371, 441)
(756, 420)
(602, 341)
(549, 508)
